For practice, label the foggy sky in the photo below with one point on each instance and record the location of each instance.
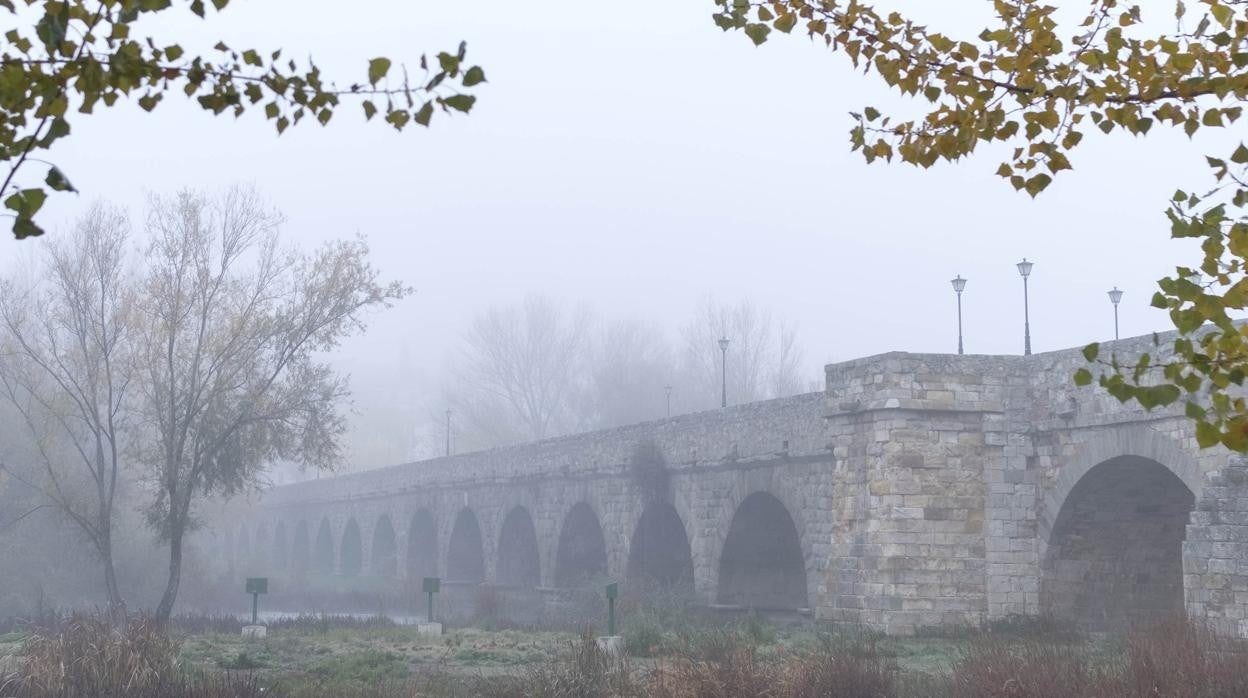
(636, 158)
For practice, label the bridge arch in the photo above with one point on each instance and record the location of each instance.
(383, 559)
(762, 563)
(281, 553)
(422, 546)
(518, 559)
(582, 552)
(300, 550)
(352, 550)
(1125, 441)
(323, 555)
(1113, 555)
(465, 553)
(659, 554)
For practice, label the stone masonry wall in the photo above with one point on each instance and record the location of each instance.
(924, 488)
(922, 432)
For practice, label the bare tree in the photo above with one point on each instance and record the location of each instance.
(631, 368)
(231, 325)
(761, 363)
(786, 376)
(518, 378)
(65, 367)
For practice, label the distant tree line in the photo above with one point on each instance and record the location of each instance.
(536, 369)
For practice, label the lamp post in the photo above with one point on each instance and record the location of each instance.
(723, 365)
(959, 285)
(1024, 270)
(668, 390)
(1115, 297)
(448, 432)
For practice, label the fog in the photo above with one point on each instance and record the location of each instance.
(632, 185)
(639, 162)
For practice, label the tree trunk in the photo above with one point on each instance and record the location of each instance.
(104, 548)
(165, 609)
(116, 604)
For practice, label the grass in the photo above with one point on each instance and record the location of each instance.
(370, 667)
(672, 655)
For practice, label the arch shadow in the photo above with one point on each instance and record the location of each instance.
(1114, 555)
(422, 546)
(518, 561)
(465, 555)
(300, 550)
(323, 556)
(384, 554)
(659, 555)
(762, 564)
(582, 553)
(352, 551)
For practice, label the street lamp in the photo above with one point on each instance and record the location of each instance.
(668, 389)
(959, 285)
(1115, 297)
(1024, 270)
(723, 365)
(448, 432)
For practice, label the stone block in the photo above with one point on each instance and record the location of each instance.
(611, 644)
(255, 632)
(429, 629)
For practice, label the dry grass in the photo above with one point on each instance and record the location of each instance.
(1176, 658)
(843, 669)
(1179, 658)
(87, 656)
(735, 672)
(1029, 670)
(855, 669)
(582, 671)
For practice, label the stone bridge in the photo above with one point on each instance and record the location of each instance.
(917, 490)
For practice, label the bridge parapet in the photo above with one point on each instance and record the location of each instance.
(939, 382)
(739, 433)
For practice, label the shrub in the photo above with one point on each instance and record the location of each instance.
(1179, 658)
(738, 673)
(226, 624)
(841, 668)
(1175, 658)
(759, 631)
(1032, 669)
(242, 661)
(643, 634)
(371, 666)
(486, 606)
(709, 643)
(87, 656)
(584, 671)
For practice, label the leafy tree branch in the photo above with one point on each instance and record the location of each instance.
(80, 55)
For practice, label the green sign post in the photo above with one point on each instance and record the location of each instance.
(431, 586)
(613, 591)
(256, 586)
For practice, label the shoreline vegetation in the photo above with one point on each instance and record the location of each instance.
(668, 654)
